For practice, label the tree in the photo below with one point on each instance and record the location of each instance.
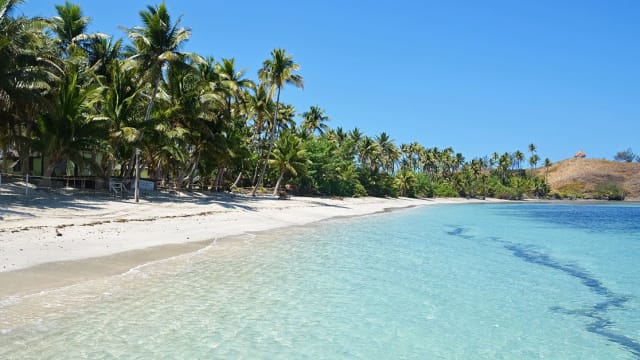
(625, 155)
(389, 152)
(70, 27)
(405, 182)
(547, 165)
(120, 107)
(314, 120)
(518, 157)
(26, 59)
(533, 161)
(289, 157)
(68, 131)
(155, 45)
(277, 72)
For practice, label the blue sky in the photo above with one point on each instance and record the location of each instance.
(480, 76)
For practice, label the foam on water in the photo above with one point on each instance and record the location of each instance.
(469, 281)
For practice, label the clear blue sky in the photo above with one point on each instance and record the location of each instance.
(480, 76)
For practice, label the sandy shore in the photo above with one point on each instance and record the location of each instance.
(39, 232)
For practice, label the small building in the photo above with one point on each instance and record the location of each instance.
(580, 155)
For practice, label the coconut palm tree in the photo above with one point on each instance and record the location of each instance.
(155, 45)
(533, 161)
(120, 107)
(26, 56)
(389, 152)
(405, 181)
(277, 72)
(68, 131)
(518, 156)
(314, 120)
(547, 165)
(233, 82)
(289, 157)
(369, 153)
(70, 26)
(102, 53)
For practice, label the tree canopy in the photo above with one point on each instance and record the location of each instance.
(84, 103)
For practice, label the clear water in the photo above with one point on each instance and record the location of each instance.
(516, 281)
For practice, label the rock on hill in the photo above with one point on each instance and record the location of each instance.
(581, 177)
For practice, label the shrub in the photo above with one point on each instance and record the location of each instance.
(625, 155)
(609, 190)
(444, 190)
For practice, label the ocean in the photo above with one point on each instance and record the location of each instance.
(482, 281)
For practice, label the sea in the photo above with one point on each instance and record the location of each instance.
(468, 281)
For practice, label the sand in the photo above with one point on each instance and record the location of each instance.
(53, 239)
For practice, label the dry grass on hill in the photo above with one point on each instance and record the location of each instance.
(583, 175)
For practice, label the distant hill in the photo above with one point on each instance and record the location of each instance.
(583, 178)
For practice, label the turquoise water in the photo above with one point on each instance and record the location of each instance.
(514, 281)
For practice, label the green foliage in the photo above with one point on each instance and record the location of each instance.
(445, 189)
(625, 155)
(571, 191)
(405, 183)
(423, 186)
(609, 190)
(67, 93)
(378, 183)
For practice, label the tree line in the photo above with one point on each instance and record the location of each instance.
(95, 101)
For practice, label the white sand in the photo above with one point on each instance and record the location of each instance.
(99, 226)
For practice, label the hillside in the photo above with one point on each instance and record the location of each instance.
(581, 177)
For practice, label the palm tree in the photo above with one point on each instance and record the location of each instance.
(389, 152)
(102, 53)
(234, 82)
(70, 27)
(68, 131)
(369, 153)
(518, 157)
(504, 163)
(547, 165)
(120, 106)
(405, 181)
(277, 72)
(289, 157)
(533, 161)
(155, 45)
(26, 56)
(314, 120)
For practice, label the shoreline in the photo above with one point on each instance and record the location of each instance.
(106, 237)
(96, 233)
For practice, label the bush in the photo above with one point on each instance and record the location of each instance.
(424, 186)
(625, 155)
(609, 190)
(359, 191)
(444, 190)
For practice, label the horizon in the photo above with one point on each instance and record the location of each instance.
(480, 79)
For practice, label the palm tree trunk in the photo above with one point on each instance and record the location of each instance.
(193, 168)
(147, 115)
(275, 191)
(271, 143)
(46, 177)
(219, 177)
(235, 183)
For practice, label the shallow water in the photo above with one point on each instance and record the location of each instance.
(523, 281)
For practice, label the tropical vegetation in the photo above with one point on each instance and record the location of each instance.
(88, 103)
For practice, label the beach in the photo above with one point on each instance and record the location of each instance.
(52, 239)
